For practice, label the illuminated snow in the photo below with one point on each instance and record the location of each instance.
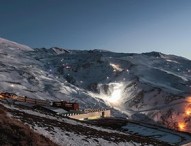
(116, 93)
(116, 67)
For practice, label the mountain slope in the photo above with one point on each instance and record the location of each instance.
(6, 44)
(13, 132)
(151, 86)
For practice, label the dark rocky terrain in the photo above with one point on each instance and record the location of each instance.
(15, 133)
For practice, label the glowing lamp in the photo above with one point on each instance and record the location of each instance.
(181, 126)
(188, 110)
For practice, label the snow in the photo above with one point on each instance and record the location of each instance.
(159, 133)
(13, 45)
(70, 139)
(59, 110)
(172, 61)
(63, 137)
(139, 82)
(151, 132)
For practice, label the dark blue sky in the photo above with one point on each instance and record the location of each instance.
(116, 25)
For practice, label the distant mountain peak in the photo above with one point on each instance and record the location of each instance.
(58, 50)
(100, 50)
(154, 54)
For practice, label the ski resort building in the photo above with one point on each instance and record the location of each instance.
(90, 115)
(63, 108)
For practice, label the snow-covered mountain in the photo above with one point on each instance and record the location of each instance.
(6, 44)
(151, 86)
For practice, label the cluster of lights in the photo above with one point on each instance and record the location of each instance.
(67, 66)
(187, 113)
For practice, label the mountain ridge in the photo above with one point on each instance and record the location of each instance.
(11, 44)
(149, 84)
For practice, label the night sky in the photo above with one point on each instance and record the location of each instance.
(116, 25)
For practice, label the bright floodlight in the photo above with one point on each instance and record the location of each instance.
(116, 93)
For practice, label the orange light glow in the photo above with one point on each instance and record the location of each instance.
(188, 99)
(181, 126)
(188, 112)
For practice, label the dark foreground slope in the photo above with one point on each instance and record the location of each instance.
(15, 133)
(61, 130)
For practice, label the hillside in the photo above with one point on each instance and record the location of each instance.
(13, 132)
(150, 87)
